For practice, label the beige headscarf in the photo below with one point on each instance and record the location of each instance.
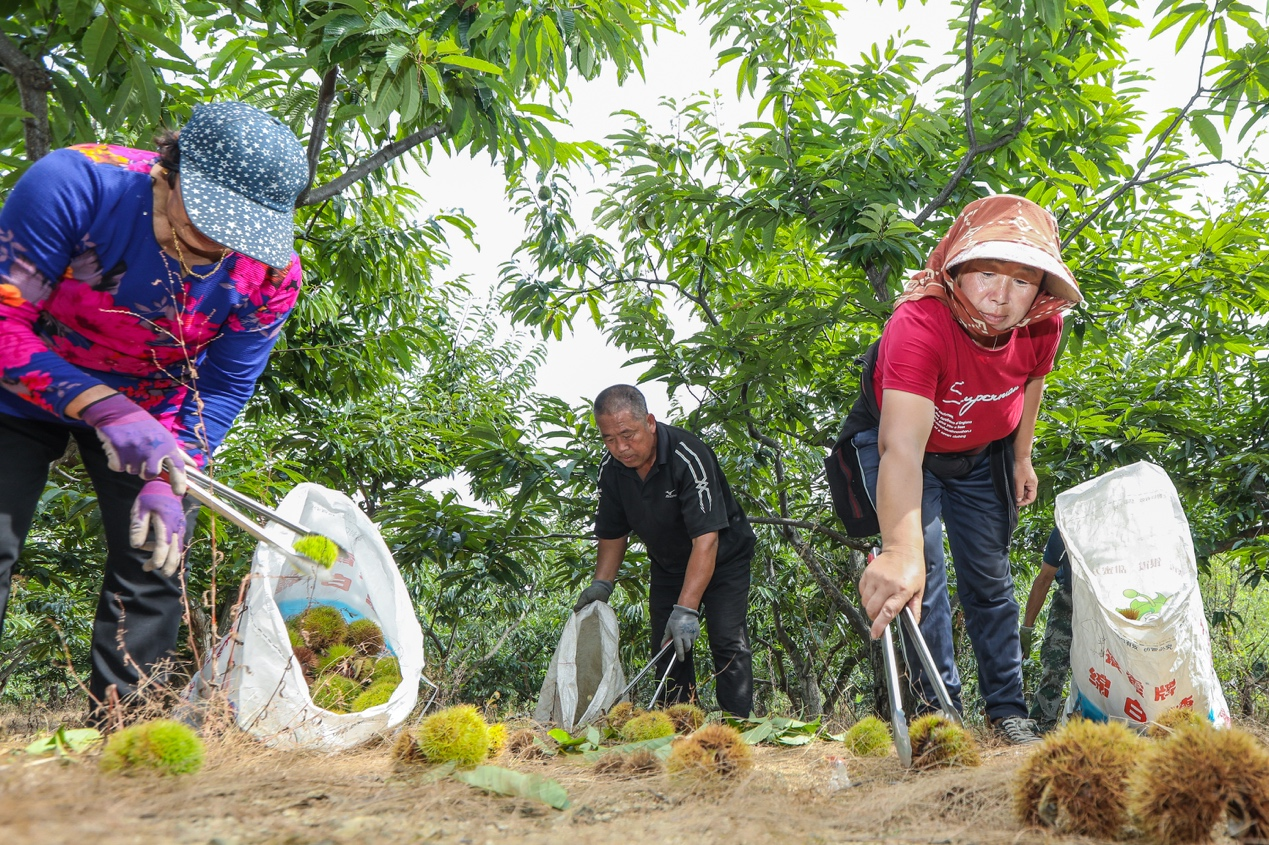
(1006, 228)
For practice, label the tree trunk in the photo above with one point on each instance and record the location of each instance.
(200, 631)
(34, 83)
(880, 697)
(804, 688)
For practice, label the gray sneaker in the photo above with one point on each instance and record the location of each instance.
(1017, 730)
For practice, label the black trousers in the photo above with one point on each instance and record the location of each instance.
(726, 606)
(138, 613)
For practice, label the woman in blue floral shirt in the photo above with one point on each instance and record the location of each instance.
(140, 295)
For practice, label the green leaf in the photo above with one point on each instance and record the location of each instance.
(1191, 24)
(1206, 133)
(794, 739)
(778, 729)
(659, 746)
(774, 162)
(516, 784)
(63, 741)
(99, 42)
(1053, 14)
(764, 731)
(470, 63)
(150, 98)
(158, 39)
(565, 739)
(394, 54)
(1098, 8)
(440, 772)
(435, 88)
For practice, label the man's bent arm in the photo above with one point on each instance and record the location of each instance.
(611, 553)
(700, 569)
(1039, 592)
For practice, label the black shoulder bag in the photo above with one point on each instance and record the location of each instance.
(851, 502)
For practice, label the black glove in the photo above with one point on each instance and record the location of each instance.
(597, 591)
(1026, 635)
(684, 627)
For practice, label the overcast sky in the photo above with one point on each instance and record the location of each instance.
(678, 66)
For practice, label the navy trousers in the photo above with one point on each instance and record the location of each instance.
(726, 605)
(138, 613)
(978, 532)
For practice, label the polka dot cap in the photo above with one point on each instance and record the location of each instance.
(241, 172)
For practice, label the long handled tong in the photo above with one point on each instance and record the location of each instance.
(908, 629)
(216, 497)
(645, 670)
(228, 493)
(665, 676)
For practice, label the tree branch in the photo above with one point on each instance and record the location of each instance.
(808, 685)
(1252, 533)
(1136, 181)
(317, 135)
(497, 646)
(369, 165)
(545, 537)
(836, 536)
(34, 83)
(877, 273)
(700, 285)
(969, 74)
(13, 659)
(970, 154)
(972, 148)
(854, 615)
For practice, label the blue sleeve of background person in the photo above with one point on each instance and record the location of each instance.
(41, 223)
(1055, 556)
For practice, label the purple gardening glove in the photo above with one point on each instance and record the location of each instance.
(159, 514)
(136, 442)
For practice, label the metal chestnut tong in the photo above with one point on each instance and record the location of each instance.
(217, 497)
(899, 719)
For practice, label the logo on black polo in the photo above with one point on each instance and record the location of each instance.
(694, 465)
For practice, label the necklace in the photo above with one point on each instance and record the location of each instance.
(187, 269)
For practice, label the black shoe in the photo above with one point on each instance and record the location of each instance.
(1017, 730)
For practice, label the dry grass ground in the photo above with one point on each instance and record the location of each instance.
(250, 794)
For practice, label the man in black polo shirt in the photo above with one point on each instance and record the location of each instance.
(664, 485)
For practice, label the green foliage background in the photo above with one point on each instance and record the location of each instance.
(786, 239)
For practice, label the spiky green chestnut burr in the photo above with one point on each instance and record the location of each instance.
(321, 550)
(163, 746)
(322, 626)
(647, 726)
(869, 737)
(458, 734)
(373, 697)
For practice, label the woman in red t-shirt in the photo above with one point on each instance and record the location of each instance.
(959, 376)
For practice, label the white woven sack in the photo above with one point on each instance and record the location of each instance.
(585, 676)
(253, 665)
(1129, 546)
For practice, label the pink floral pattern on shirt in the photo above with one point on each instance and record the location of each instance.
(138, 161)
(140, 325)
